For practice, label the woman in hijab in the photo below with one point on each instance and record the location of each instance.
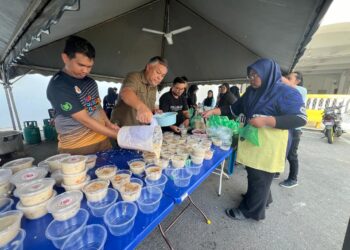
(209, 102)
(267, 104)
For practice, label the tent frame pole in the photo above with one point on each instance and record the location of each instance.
(10, 100)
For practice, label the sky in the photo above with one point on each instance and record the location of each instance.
(338, 12)
(30, 91)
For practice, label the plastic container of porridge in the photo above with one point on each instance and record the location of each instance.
(35, 192)
(131, 191)
(198, 160)
(5, 204)
(55, 161)
(73, 164)
(10, 223)
(106, 172)
(5, 185)
(74, 179)
(36, 211)
(91, 161)
(137, 166)
(121, 177)
(65, 205)
(96, 190)
(17, 242)
(28, 175)
(178, 161)
(153, 172)
(19, 164)
(78, 186)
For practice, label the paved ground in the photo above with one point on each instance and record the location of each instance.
(313, 215)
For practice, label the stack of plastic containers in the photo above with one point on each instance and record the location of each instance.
(11, 234)
(74, 172)
(5, 185)
(34, 197)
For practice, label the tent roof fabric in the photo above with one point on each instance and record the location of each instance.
(226, 36)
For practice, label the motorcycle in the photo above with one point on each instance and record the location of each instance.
(332, 120)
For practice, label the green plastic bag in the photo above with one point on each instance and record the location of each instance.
(215, 121)
(250, 133)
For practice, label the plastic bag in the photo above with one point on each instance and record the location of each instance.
(216, 121)
(249, 133)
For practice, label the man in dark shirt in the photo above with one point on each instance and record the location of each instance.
(175, 101)
(81, 123)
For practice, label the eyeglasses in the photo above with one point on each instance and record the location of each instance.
(252, 76)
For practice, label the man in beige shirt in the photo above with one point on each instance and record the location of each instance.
(137, 97)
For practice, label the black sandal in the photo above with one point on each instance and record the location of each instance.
(235, 214)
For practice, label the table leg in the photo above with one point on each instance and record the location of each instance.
(177, 217)
(164, 236)
(221, 173)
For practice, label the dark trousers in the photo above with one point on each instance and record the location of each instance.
(258, 195)
(293, 156)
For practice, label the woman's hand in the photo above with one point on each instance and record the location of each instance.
(208, 113)
(263, 121)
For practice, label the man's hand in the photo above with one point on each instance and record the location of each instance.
(113, 126)
(263, 121)
(144, 114)
(208, 113)
(158, 111)
(176, 129)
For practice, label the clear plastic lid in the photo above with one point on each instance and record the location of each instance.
(57, 157)
(91, 158)
(74, 159)
(27, 175)
(64, 201)
(34, 187)
(18, 162)
(44, 164)
(5, 175)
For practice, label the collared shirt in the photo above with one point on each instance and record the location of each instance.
(123, 114)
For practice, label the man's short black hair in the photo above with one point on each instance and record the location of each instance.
(76, 44)
(299, 76)
(158, 59)
(179, 80)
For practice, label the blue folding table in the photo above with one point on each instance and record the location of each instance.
(144, 223)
